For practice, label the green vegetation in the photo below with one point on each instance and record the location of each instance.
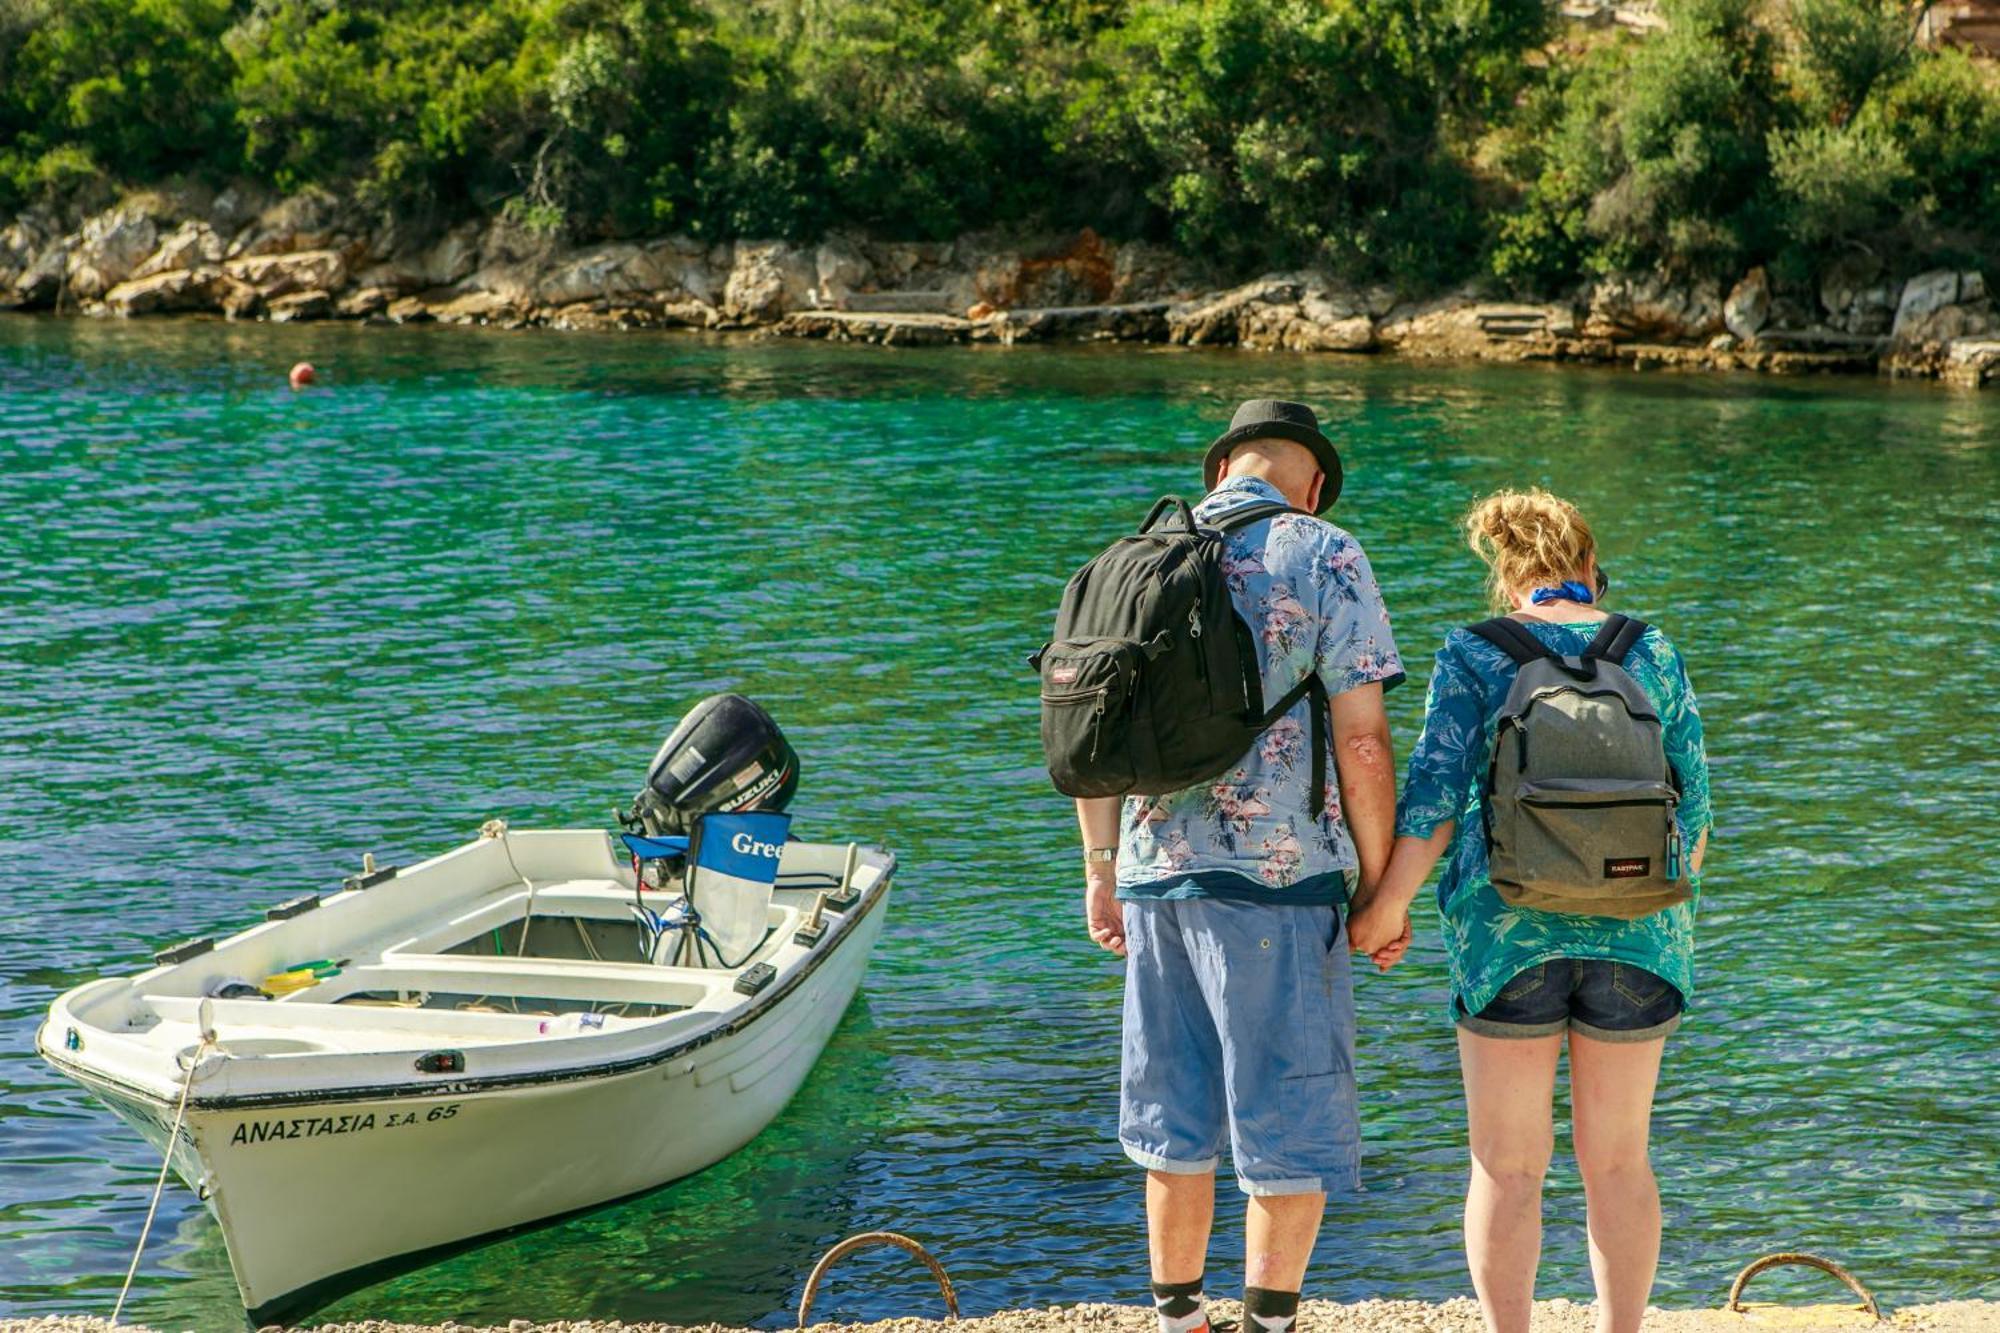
(1424, 142)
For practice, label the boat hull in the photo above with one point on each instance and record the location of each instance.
(321, 1196)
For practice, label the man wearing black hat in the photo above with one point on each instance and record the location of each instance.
(1225, 897)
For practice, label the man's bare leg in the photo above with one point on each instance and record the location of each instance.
(1180, 1209)
(1278, 1244)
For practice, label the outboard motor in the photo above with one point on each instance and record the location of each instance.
(726, 754)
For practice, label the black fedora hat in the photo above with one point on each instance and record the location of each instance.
(1276, 419)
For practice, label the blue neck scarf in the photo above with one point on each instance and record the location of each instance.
(1569, 590)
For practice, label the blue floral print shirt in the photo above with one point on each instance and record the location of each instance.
(1306, 591)
(1487, 941)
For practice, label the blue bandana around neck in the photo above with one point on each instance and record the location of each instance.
(1569, 590)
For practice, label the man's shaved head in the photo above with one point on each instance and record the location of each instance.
(1286, 464)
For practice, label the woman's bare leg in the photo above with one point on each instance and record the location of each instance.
(1611, 1101)
(1509, 1084)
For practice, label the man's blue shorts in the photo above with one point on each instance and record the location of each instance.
(1239, 1020)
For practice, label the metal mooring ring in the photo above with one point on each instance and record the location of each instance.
(1809, 1261)
(861, 1242)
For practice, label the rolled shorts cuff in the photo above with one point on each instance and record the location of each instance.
(1272, 1189)
(1653, 1033)
(1486, 1027)
(1168, 1165)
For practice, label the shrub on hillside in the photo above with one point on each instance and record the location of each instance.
(139, 88)
(1944, 117)
(1297, 132)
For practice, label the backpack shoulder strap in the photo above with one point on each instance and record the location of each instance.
(1248, 514)
(1513, 639)
(1616, 638)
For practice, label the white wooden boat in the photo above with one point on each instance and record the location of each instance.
(446, 1083)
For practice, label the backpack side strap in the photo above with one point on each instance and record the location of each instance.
(1513, 639)
(1313, 688)
(1616, 638)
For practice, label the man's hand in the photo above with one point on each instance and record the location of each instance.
(1381, 933)
(1102, 915)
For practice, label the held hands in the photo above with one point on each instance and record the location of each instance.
(1102, 915)
(1380, 930)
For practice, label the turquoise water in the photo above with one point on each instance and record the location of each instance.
(246, 635)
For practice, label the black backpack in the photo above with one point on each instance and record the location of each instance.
(1151, 683)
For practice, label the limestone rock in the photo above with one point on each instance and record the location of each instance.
(166, 293)
(1080, 271)
(299, 306)
(472, 307)
(1856, 298)
(886, 329)
(841, 269)
(409, 310)
(454, 257)
(1748, 307)
(1972, 362)
(364, 302)
(193, 244)
(308, 220)
(1943, 306)
(1145, 272)
(109, 248)
(1139, 321)
(768, 279)
(276, 275)
(1650, 308)
(604, 272)
(239, 299)
(41, 282)
(1220, 320)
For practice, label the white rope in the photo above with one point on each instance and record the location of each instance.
(497, 828)
(173, 1137)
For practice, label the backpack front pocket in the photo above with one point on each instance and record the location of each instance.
(1598, 846)
(1089, 689)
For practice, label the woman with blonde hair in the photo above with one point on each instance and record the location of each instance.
(1532, 966)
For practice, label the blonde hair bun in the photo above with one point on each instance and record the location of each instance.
(1528, 539)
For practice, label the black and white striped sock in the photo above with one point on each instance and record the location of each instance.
(1266, 1311)
(1179, 1306)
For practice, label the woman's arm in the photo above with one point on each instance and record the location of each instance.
(1440, 779)
(1380, 925)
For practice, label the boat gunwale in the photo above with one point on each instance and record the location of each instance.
(736, 1021)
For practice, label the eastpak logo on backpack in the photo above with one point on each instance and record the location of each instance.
(1151, 683)
(1580, 798)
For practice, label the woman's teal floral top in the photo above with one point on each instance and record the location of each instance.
(1487, 941)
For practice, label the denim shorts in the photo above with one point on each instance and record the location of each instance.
(1239, 1026)
(1602, 1000)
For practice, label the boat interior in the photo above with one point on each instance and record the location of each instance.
(502, 941)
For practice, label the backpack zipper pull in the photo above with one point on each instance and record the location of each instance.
(1097, 728)
(1194, 621)
(1674, 850)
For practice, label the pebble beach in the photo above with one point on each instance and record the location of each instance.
(1456, 1316)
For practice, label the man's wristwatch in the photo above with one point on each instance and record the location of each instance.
(1100, 854)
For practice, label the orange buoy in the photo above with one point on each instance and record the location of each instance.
(303, 374)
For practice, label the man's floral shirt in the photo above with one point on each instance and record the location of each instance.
(1305, 589)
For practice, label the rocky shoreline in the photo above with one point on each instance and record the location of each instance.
(243, 255)
(1375, 1316)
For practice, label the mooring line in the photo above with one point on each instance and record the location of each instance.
(166, 1163)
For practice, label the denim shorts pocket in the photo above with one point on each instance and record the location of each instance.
(1525, 982)
(1639, 987)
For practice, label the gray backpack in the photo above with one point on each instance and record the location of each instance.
(1580, 799)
